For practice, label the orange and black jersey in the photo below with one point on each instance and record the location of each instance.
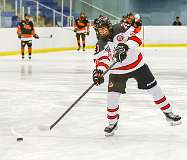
(81, 24)
(26, 29)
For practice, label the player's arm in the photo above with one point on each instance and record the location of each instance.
(138, 23)
(88, 27)
(75, 26)
(33, 31)
(19, 30)
(102, 62)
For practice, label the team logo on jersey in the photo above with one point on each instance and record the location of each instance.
(120, 38)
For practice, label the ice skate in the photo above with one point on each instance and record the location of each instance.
(83, 49)
(110, 129)
(173, 119)
(22, 57)
(30, 57)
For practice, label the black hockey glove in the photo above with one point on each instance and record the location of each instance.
(36, 36)
(87, 33)
(97, 76)
(19, 36)
(121, 52)
(75, 30)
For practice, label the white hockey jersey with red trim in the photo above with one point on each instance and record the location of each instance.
(104, 55)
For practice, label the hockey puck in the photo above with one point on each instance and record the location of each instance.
(19, 139)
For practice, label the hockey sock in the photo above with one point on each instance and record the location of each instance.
(22, 52)
(30, 51)
(160, 99)
(78, 43)
(83, 44)
(112, 107)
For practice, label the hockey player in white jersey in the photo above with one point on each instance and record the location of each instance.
(120, 42)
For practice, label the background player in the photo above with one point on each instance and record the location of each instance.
(120, 42)
(81, 27)
(25, 32)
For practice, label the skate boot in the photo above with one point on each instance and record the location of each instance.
(173, 119)
(30, 57)
(110, 129)
(83, 49)
(22, 57)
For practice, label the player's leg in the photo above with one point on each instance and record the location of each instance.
(147, 81)
(112, 112)
(23, 43)
(161, 101)
(83, 37)
(78, 41)
(29, 44)
(116, 87)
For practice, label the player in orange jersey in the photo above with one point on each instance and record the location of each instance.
(25, 32)
(81, 27)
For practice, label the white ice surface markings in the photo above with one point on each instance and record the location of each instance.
(38, 92)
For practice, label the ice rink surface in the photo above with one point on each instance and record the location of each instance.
(39, 91)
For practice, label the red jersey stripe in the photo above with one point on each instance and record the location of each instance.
(165, 107)
(113, 117)
(112, 110)
(136, 39)
(160, 100)
(102, 64)
(103, 57)
(132, 65)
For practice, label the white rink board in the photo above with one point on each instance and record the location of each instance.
(61, 38)
(165, 35)
(38, 92)
(66, 38)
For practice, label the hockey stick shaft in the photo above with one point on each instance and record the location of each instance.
(46, 36)
(78, 99)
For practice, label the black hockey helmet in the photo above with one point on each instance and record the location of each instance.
(102, 21)
(26, 14)
(129, 14)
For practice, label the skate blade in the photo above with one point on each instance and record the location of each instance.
(43, 127)
(175, 123)
(109, 134)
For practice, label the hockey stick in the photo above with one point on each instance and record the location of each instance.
(66, 28)
(78, 99)
(50, 36)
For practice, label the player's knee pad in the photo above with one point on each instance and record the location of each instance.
(78, 36)
(23, 43)
(83, 37)
(29, 44)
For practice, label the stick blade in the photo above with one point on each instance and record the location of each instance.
(43, 127)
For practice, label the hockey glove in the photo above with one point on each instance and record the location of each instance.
(87, 33)
(97, 76)
(75, 30)
(121, 52)
(36, 36)
(19, 36)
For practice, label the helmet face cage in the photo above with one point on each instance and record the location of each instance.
(103, 22)
(82, 14)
